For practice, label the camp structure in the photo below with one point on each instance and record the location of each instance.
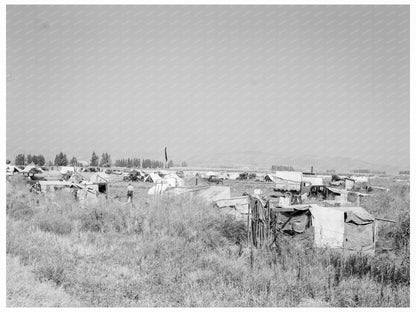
(30, 171)
(347, 228)
(269, 177)
(100, 177)
(11, 170)
(288, 181)
(314, 180)
(67, 170)
(235, 206)
(152, 178)
(350, 229)
(349, 183)
(173, 180)
(208, 193)
(84, 190)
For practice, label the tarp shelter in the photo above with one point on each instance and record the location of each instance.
(100, 177)
(67, 169)
(295, 176)
(270, 177)
(163, 172)
(288, 180)
(32, 169)
(209, 193)
(232, 175)
(235, 206)
(347, 228)
(11, 170)
(313, 180)
(153, 177)
(360, 179)
(292, 220)
(173, 180)
(349, 183)
(158, 189)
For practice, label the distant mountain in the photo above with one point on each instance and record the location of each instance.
(264, 160)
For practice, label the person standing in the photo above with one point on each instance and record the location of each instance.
(130, 190)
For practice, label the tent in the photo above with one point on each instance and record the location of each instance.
(347, 228)
(209, 193)
(293, 219)
(288, 180)
(11, 170)
(153, 177)
(100, 177)
(313, 180)
(349, 183)
(270, 177)
(32, 168)
(294, 176)
(67, 169)
(173, 180)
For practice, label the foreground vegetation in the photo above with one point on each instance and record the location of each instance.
(183, 252)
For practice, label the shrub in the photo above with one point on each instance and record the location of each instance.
(53, 223)
(19, 210)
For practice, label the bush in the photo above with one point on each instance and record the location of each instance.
(19, 210)
(53, 223)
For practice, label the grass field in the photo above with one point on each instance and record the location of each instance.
(177, 252)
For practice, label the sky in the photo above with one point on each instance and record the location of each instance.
(130, 80)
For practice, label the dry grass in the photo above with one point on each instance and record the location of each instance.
(25, 290)
(176, 252)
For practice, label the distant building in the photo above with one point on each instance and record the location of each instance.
(405, 172)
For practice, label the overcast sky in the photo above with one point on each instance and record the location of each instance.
(130, 80)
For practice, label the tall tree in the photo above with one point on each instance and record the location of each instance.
(35, 159)
(41, 160)
(29, 159)
(94, 159)
(20, 160)
(73, 161)
(171, 164)
(61, 160)
(105, 160)
(184, 164)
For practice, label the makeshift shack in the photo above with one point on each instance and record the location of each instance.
(235, 206)
(346, 228)
(350, 229)
(314, 180)
(349, 183)
(291, 220)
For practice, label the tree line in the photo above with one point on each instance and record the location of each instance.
(282, 168)
(61, 159)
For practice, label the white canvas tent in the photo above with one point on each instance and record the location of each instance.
(67, 169)
(295, 176)
(313, 180)
(208, 193)
(347, 228)
(153, 177)
(30, 168)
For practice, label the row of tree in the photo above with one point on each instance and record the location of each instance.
(22, 160)
(282, 168)
(61, 159)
